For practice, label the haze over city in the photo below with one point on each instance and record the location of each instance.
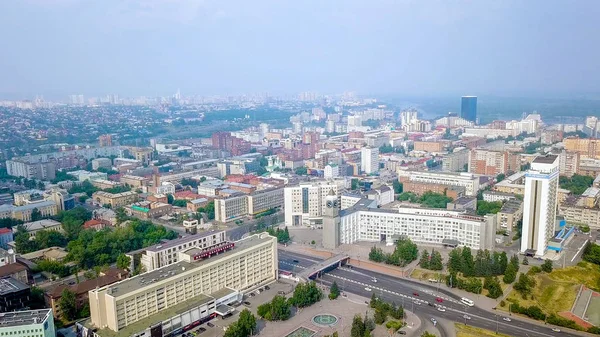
(430, 48)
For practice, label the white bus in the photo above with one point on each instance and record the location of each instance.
(467, 301)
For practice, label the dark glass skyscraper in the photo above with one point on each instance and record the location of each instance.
(468, 108)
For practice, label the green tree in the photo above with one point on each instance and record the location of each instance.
(398, 187)
(524, 285)
(246, 323)
(467, 263)
(424, 262)
(525, 261)
(485, 207)
(36, 214)
(510, 274)
(68, 305)
(427, 334)
(358, 327)
(123, 261)
(547, 266)
(306, 294)
(455, 260)
(380, 316)
(500, 177)
(592, 253)
(179, 203)
(121, 215)
(436, 262)
(170, 198)
(334, 291)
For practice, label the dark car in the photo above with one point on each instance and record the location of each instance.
(201, 330)
(295, 261)
(267, 288)
(415, 294)
(247, 303)
(210, 324)
(401, 332)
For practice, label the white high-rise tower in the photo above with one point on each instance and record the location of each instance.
(539, 208)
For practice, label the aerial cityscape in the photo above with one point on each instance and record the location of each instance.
(186, 168)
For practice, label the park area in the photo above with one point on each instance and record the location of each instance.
(557, 291)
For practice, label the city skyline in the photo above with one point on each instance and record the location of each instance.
(154, 47)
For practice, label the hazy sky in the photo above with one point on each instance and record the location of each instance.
(153, 47)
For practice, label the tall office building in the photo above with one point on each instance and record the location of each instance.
(369, 160)
(305, 203)
(539, 210)
(468, 108)
(407, 117)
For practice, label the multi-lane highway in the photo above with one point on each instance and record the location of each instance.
(417, 297)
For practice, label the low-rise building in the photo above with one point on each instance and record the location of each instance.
(104, 184)
(81, 290)
(134, 181)
(148, 210)
(14, 295)
(38, 323)
(15, 270)
(193, 205)
(6, 236)
(101, 163)
(115, 200)
(455, 161)
(467, 180)
(462, 204)
(45, 209)
(510, 213)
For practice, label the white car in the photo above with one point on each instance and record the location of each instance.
(506, 319)
(374, 280)
(441, 309)
(368, 289)
(556, 329)
(416, 302)
(467, 317)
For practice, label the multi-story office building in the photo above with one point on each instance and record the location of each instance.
(421, 225)
(586, 147)
(195, 280)
(163, 254)
(455, 161)
(264, 200)
(493, 196)
(468, 108)
(304, 204)
(539, 207)
(43, 170)
(407, 117)
(29, 323)
(429, 146)
(230, 208)
(369, 160)
(569, 163)
(101, 163)
(487, 162)
(467, 180)
(115, 200)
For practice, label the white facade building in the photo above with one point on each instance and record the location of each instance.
(539, 207)
(36, 323)
(331, 171)
(369, 160)
(421, 225)
(467, 180)
(304, 204)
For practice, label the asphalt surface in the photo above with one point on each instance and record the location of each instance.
(401, 291)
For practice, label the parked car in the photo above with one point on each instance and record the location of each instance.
(437, 299)
(441, 309)
(506, 319)
(210, 324)
(401, 332)
(368, 289)
(415, 294)
(267, 287)
(247, 303)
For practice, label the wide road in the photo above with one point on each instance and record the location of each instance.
(402, 292)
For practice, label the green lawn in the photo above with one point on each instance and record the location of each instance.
(469, 331)
(556, 292)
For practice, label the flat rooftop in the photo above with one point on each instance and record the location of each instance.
(549, 159)
(176, 242)
(18, 318)
(153, 319)
(144, 280)
(10, 285)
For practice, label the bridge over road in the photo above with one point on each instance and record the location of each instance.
(331, 263)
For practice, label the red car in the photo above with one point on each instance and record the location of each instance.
(415, 294)
(437, 299)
